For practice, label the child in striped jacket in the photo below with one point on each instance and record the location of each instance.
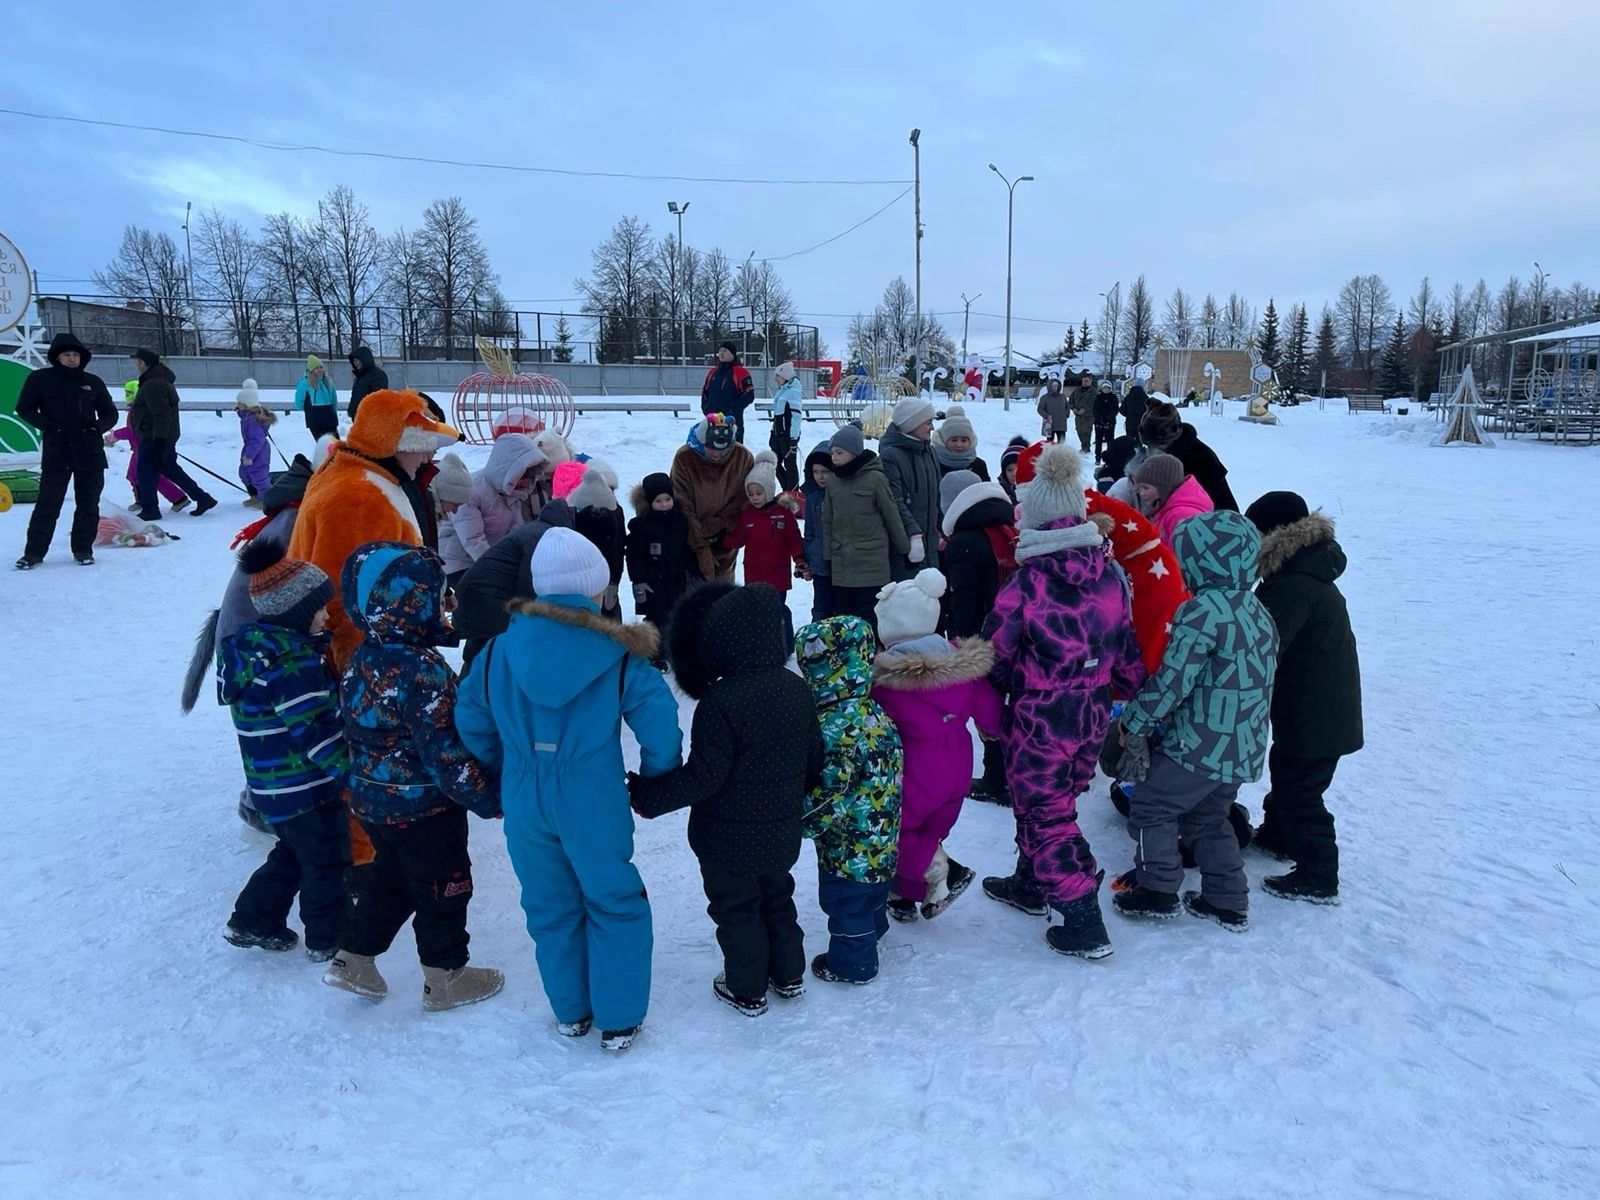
(271, 674)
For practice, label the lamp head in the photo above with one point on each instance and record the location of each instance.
(915, 134)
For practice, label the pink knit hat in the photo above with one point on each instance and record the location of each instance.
(567, 477)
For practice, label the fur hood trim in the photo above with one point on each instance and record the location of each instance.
(911, 672)
(639, 639)
(1282, 544)
(787, 501)
(637, 500)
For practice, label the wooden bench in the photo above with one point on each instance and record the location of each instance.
(1375, 404)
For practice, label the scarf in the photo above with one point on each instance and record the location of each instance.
(1032, 543)
(954, 462)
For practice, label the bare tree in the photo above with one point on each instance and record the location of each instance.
(883, 342)
(1366, 310)
(1179, 318)
(349, 251)
(288, 252)
(1210, 323)
(1109, 326)
(1238, 321)
(622, 275)
(1138, 319)
(149, 269)
(1423, 307)
(230, 262)
(454, 280)
(402, 285)
(713, 293)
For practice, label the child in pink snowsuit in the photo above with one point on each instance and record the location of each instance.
(1063, 638)
(255, 458)
(170, 492)
(930, 689)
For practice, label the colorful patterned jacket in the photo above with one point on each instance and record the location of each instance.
(1215, 681)
(399, 694)
(291, 739)
(854, 815)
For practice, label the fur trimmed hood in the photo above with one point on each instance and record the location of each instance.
(908, 670)
(1283, 543)
(597, 488)
(786, 500)
(639, 639)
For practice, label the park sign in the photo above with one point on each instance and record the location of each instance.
(16, 285)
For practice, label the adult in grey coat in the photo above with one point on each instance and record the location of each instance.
(1053, 408)
(906, 450)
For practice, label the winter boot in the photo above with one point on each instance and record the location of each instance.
(356, 973)
(983, 792)
(153, 514)
(1125, 882)
(792, 990)
(901, 909)
(86, 559)
(615, 1041)
(1297, 885)
(181, 503)
(443, 989)
(202, 506)
(252, 502)
(1140, 901)
(575, 1029)
(248, 939)
(821, 969)
(1021, 894)
(322, 954)
(1082, 932)
(27, 563)
(749, 1006)
(1198, 906)
(1239, 818)
(957, 881)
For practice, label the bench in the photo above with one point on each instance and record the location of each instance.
(1375, 404)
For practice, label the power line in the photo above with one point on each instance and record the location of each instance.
(837, 236)
(239, 139)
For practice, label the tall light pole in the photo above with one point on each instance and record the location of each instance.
(678, 210)
(1538, 296)
(188, 273)
(966, 318)
(1011, 200)
(916, 329)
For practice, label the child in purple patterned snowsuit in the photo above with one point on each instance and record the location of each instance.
(1063, 638)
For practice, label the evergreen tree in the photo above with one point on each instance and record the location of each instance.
(1267, 341)
(1394, 369)
(563, 347)
(1325, 361)
(1069, 345)
(1294, 365)
(1085, 338)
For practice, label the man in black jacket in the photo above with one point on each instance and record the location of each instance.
(1316, 695)
(503, 574)
(1166, 431)
(369, 378)
(72, 411)
(154, 417)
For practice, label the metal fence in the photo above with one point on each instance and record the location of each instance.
(268, 328)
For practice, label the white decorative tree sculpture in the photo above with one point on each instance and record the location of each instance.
(1461, 425)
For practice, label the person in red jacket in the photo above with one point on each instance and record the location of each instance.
(728, 388)
(769, 533)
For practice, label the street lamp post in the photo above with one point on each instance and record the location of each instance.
(1011, 198)
(678, 210)
(966, 320)
(188, 273)
(916, 329)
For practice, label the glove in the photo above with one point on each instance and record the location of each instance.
(1135, 757)
(919, 549)
(609, 597)
(641, 594)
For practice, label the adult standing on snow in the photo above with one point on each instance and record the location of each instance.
(369, 378)
(1081, 402)
(1163, 429)
(708, 475)
(728, 388)
(1052, 408)
(1134, 405)
(154, 417)
(315, 395)
(72, 411)
(786, 425)
(906, 450)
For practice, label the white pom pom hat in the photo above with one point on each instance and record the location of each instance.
(910, 609)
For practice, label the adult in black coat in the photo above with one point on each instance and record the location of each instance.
(154, 417)
(1134, 405)
(370, 377)
(72, 411)
(1165, 430)
(756, 750)
(503, 574)
(1105, 419)
(728, 388)
(1316, 698)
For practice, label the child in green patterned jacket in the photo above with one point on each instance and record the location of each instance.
(854, 814)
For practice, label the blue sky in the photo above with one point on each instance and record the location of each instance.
(1268, 148)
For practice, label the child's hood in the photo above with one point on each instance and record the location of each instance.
(261, 416)
(253, 651)
(573, 646)
(1217, 550)
(597, 489)
(514, 454)
(927, 664)
(394, 594)
(835, 657)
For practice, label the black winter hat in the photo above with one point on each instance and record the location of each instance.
(148, 357)
(1161, 425)
(1277, 509)
(63, 342)
(656, 484)
(731, 348)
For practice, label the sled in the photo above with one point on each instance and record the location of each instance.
(20, 487)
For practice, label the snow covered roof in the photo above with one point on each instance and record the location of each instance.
(1591, 330)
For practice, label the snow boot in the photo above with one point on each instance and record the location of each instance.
(957, 881)
(1198, 906)
(321, 955)
(1297, 885)
(27, 563)
(821, 969)
(201, 506)
(575, 1029)
(983, 793)
(252, 502)
(86, 559)
(1125, 882)
(792, 990)
(356, 973)
(1021, 894)
(749, 1006)
(150, 515)
(1082, 932)
(901, 909)
(615, 1041)
(443, 989)
(250, 939)
(1142, 902)
(181, 503)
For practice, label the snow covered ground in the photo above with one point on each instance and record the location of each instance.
(1436, 1036)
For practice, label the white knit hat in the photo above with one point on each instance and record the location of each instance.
(565, 563)
(784, 372)
(453, 483)
(956, 424)
(765, 474)
(911, 412)
(910, 609)
(248, 396)
(555, 448)
(1056, 490)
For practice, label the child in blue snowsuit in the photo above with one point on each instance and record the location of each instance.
(544, 703)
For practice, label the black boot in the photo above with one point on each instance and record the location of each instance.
(750, 1006)
(1299, 885)
(1230, 919)
(1020, 893)
(249, 939)
(901, 909)
(1082, 932)
(1142, 902)
(204, 505)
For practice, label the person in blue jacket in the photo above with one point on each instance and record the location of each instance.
(544, 704)
(316, 397)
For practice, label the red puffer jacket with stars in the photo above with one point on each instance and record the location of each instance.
(1152, 569)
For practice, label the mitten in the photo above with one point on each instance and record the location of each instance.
(641, 594)
(919, 549)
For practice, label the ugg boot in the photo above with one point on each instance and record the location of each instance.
(443, 989)
(356, 973)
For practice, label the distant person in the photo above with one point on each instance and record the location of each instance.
(1105, 419)
(170, 492)
(72, 411)
(1053, 410)
(155, 418)
(1133, 409)
(255, 454)
(728, 388)
(369, 378)
(315, 395)
(786, 425)
(1081, 402)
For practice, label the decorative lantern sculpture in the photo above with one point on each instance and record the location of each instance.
(501, 399)
(869, 400)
